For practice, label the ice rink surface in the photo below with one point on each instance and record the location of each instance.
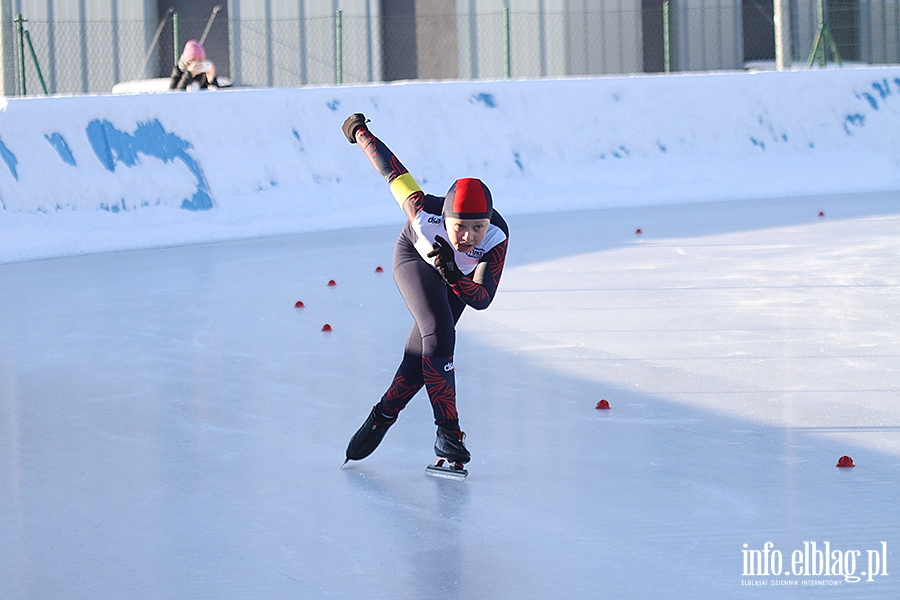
(172, 427)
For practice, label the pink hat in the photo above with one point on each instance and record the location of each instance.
(192, 51)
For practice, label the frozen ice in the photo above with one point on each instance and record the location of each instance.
(172, 427)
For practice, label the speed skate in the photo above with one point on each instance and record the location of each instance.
(446, 469)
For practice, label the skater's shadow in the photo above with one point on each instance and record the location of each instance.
(427, 518)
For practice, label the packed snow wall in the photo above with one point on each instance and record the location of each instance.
(250, 162)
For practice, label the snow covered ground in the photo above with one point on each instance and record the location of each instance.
(171, 426)
(83, 174)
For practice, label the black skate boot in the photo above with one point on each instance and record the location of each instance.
(449, 445)
(451, 454)
(367, 438)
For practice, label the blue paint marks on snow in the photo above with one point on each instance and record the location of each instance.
(297, 137)
(661, 146)
(620, 152)
(517, 159)
(758, 143)
(882, 88)
(10, 159)
(113, 146)
(483, 98)
(783, 137)
(858, 120)
(120, 207)
(870, 98)
(333, 105)
(62, 148)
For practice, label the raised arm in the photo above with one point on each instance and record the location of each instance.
(403, 186)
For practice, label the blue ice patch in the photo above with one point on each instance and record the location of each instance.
(10, 159)
(484, 98)
(150, 138)
(62, 148)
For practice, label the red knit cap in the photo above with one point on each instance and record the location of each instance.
(468, 198)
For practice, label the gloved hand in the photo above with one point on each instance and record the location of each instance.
(444, 260)
(353, 122)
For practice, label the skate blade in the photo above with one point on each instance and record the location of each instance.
(445, 470)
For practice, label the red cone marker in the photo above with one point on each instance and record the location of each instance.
(326, 327)
(845, 461)
(379, 270)
(299, 304)
(638, 232)
(332, 283)
(602, 405)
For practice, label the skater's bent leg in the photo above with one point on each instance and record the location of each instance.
(436, 311)
(400, 392)
(425, 294)
(441, 385)
(440, 375)
(408, 378)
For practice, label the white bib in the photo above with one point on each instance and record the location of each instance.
(427, 226)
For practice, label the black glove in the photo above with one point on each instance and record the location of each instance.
(353, 122)
(444, 260)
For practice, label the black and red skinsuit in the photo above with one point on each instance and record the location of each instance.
(435, 305)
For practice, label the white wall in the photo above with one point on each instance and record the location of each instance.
(275, 161)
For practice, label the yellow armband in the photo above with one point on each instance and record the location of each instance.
(403, 187)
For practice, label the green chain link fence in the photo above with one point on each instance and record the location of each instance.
(92, 56)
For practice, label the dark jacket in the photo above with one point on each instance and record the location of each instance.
(181, 79)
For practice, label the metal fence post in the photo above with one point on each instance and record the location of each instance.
(212, 17)
(37, 66)
(823, 37)
(339, 49)
(782, 22)
(155, 40)
(176, 50)
(506, 52)
(667, 39)
(20, 32)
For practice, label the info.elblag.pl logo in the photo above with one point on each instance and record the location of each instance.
(815, 560)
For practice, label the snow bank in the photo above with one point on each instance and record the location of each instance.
(98, 173)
